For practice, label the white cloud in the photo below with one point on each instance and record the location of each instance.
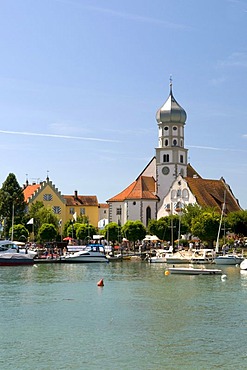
(236, 59)
(57, 136)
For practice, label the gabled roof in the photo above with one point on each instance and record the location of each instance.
(81, 200)
(142, 188)
(29, 191)
(191, 172)
(210, 193)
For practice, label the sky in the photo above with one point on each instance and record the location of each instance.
(81, 82)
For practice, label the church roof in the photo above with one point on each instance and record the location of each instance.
(191, 172)
(142, 188)
(210, 193)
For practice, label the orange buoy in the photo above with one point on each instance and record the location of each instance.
(101, 282)
(167, 272)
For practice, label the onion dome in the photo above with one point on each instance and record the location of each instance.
(171, 111)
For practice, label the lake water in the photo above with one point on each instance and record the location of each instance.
(54, 316)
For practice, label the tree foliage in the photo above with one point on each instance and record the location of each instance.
(237, 222)
(12, 202)
(47, 232)
(134, 230)
(20, 233)
(206, 226)
(112, 232)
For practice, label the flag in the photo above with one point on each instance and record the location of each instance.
(30, 222)
(75, 216)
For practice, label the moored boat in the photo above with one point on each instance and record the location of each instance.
(11, 256)
(91, 253)
(229, 259)
(243, 264)
(193, 271)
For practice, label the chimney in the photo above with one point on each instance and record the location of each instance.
(76, 194)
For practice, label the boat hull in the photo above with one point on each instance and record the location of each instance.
(228, 260)
(15, 259)
(193, 271)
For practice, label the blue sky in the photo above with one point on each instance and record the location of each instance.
(81, 81)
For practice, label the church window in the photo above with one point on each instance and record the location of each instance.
(175, 128)
(181, 158)
(173, 194)
(166, 142)
(175, 142)
(185, 194)
(179, 193)
(134, 203)
(166, 128)
(148, 215)
(166, 158)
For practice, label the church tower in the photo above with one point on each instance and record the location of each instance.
(171, 156)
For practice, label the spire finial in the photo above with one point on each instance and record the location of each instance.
(170, 83)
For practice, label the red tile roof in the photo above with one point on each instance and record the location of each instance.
(83, 200)
(210, 193)
(142, 188)
(30, 190)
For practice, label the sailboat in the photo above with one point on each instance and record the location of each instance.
(227, 259)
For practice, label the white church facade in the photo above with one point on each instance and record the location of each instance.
(169, 182)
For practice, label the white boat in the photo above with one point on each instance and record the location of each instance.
(91, 253)
(228, 259)
(243, 264)
(203, 256)
(193, 271)
(10, 255)
(178, 257)
(159, 258)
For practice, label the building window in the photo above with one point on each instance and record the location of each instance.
(119, 211)
(166, 142)
(185, 194)
(179, 193)
(175, 143)
(166, 158)
(71, 210)
(47, 197)
(166, 128)
(82, 211)
(181, 158)
(148, 215)
(134, 203)
(175, 128)
(56, 209)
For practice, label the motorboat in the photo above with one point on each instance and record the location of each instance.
(160, 257)
(8, 246)
(91, 253)
(203, 256)
(178, 257)
(228, 259)
(192, 271)
(243, 264)
(11, 256)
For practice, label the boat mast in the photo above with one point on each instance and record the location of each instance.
(221, 218)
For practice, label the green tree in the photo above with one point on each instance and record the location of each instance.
(47, 232)
(20, 233)
(41, 215)
(112, 232)
(12, 203)
(160, 228)
(134, 230)
(206, 226)
(237, 222)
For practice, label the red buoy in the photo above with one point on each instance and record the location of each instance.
(101, 282)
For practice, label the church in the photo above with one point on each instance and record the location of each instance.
(169, 182)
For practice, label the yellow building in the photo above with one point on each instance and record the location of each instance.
(65, 207)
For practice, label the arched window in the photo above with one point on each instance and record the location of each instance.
(148, 215)
(185, 194)
(175, 143)
(166, 142)
(166, 158)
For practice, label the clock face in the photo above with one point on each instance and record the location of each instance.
(165, 170)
